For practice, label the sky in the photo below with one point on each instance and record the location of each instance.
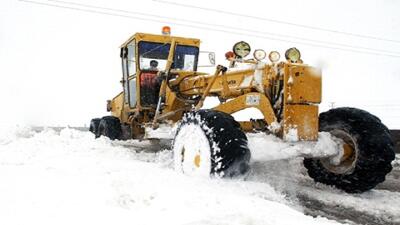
(59, 65)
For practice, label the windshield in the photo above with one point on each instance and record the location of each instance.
(185, 58)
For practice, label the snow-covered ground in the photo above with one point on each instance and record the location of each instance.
(69, 177)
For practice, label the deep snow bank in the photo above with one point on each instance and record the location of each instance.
(71, 178)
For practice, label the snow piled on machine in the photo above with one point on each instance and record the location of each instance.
(69, 177)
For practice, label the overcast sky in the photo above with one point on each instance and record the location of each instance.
(58, 66)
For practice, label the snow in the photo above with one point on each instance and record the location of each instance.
(290, 80)
(186, 149)
(269, 147)
(396, 161)
(242, 67)
(291, 135)
(275, 127)
(248, 114)
(164, 131)
(69, 177)
(290, 177)
(289, 99)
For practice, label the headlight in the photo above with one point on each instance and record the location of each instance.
(259, 54)
(292, 54)
(241, 49)
(274, 56)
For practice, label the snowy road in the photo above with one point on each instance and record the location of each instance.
(378, 206)
(68, 177)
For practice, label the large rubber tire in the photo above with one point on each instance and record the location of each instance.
(110, 127)
(94, 126)
(373, 153)
(225, 151)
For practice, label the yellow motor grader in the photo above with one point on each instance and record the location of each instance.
(162, 88)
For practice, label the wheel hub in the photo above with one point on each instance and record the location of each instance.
(345, 162)
(197, 160)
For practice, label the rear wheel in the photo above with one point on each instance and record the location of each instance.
(110, 127)
(208, 143)
(94, 126)
(366, 155)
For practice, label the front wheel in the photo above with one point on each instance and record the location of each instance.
(209, 142)
(366, 155)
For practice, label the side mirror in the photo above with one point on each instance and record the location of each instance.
(211, 57)
(124, 53)
(206, 59)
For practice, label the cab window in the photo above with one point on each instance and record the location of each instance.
(128, 54)
(124, 73)
(185, 58)
(131, 59)
(150, 51)
(132, 93)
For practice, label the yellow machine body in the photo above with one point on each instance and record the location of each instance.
(287, 94)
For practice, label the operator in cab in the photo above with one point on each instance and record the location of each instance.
(150, 86)
(153, 65)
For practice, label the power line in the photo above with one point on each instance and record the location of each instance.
(279, 21)
(202, 27)
(117, 15)
(224, 26)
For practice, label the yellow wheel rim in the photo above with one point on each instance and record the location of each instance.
(349, 157)
(197, 160)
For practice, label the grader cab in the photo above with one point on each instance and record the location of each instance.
(162, 87)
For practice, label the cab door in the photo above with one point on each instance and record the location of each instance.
(129, 73)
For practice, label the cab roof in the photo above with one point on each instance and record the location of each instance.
(161, 39)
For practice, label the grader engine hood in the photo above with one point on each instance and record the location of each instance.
(302, 94)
